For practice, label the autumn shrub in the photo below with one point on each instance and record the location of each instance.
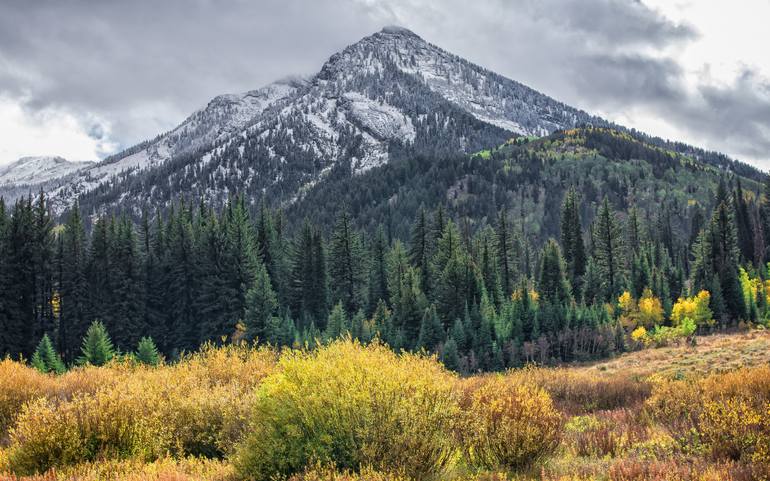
(577, 392)
(165, 469)
(353, 406)
(608, 433)
(196, 407)
(328, 473)
(728, 412)
(506, 424)
(632, 469)
(18, 385)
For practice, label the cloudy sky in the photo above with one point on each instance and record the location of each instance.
(83, 79)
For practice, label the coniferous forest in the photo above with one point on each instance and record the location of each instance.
(487, 298)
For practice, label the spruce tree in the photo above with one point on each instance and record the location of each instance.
(347, 267)
(553, 285)
(572, 239)
(73, 284)
(608, 252)
(338, 324)
(450, 356)
(378, 271)
(147, 352)
(504, 246)
(97, 348)
(420, 250)
(431, 330)
(261, 303)
(45, 358)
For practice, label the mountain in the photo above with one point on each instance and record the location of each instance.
(390, 97)
(36, 170)
(31, 174)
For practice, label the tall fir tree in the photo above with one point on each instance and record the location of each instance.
(608, 252)
(572, 243)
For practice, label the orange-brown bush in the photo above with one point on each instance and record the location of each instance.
(674, 470)
(728, 412)
(578, 391)
(506, 424)
(196, 407)
(166, 469)
(607, 433)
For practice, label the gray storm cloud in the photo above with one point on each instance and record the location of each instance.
(144, 66)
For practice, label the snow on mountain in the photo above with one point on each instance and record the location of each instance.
(38, 170)
(391, 92)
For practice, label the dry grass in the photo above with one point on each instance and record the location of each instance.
(715, 353)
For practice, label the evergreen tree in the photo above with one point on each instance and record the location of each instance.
(73, 284)
(552, 284)
(431, 330)
(378, 272)
(338, 323)
(572, 239)
(503, 244)
(97, 348)
(420, 252)
(147, 352)
(347, 265)
(45, 358)
(744, 227)
(608, 252)
(261, 303)
(450, 356)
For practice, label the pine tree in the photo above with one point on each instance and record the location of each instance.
(378, 272)
(503, 244)
(73, 285)
(608, 252)
(743, 224)
(338, 324)
(261, 303)
(420, 251)
(450, 356)
(147, 352)
(97, 348)
(572, 239)
(241, 259)
(552, 284)
(431, 330)
(347, 265)
(45, 358)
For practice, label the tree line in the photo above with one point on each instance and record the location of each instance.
(483, 299)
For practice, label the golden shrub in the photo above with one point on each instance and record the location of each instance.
(354, 406)
(19, 384)
(196, 407)
(728, 412)
(506, 424)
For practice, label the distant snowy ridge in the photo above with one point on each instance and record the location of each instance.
(37, 170)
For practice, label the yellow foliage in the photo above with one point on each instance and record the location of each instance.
(506, 424)
(196, 407)
(640, 335)
(354, 406)
(626, 303)
(650, 310)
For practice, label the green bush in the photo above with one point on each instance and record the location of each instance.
(354, 407)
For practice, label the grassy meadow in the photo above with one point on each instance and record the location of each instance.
(345, 412)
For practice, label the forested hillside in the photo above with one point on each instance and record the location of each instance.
(574, 246)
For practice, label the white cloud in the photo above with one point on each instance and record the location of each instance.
(50, 131)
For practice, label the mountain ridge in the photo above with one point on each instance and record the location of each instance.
(388, 96)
